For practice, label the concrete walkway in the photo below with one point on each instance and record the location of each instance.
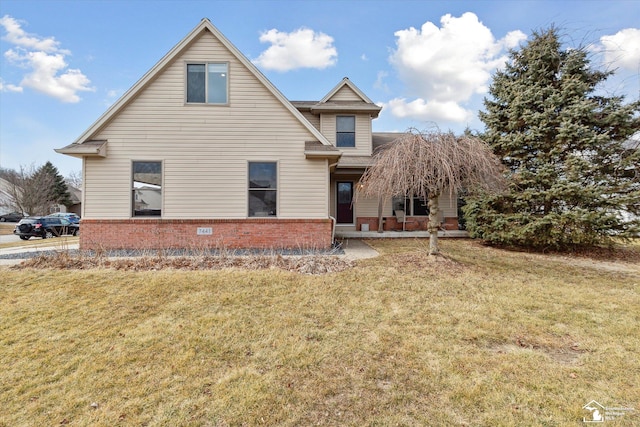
(355, 249)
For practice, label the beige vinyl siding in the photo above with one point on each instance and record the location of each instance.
(205, 149)
(368, 206)
(312, 118)
(363, 133)
(345, 93)
(448, 205)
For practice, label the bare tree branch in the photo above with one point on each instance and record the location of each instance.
(74, 179)
(428, 164)
(29, 191)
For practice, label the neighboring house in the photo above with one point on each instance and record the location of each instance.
(76, 202)
(6, 201)
(204, 151)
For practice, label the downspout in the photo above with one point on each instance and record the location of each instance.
(333, 220)
(333, 229)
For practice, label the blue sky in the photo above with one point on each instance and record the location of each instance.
(426, 62)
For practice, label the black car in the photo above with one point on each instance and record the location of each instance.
(45, 227)
(11, 217)
(71, 217)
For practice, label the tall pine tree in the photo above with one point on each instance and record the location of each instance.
(572, 179)
(59, 192)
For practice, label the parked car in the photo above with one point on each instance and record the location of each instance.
(70, 216)
(45, 227)
(11, 217)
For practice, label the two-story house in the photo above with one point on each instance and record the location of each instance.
(204, 151)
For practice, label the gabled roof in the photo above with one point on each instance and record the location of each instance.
(329, 105)
(346, 82)
(75, 193)
(204, 25)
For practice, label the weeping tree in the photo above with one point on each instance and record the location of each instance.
(428, 164)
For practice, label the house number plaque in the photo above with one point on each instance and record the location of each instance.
(204, 231)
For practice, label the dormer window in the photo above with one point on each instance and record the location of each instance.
(345, 131)
(207, 83)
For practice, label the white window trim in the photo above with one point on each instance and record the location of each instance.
(277, 189)
(206, 83)
(355, 135)
(131, 193)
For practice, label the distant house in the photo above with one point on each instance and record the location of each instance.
(6, 201)
(76, 202)
(204, 151)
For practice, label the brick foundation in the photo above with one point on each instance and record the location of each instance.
(413, 223)
(258, 233)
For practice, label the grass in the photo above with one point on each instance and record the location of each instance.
(7, 227)
(479, 337)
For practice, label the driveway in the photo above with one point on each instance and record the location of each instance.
(9, 238)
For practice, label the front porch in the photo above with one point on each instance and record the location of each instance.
(353, 234)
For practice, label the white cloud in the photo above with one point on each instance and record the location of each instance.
(433, 110)
(446, 66)
(379, 83)
(48, 71)
(622, 49)
(17, 36)
(302, 48)
(9, 87)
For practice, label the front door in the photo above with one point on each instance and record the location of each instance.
(344, 207)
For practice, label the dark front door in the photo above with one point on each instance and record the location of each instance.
(344, 209)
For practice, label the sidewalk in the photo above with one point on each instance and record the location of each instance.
(14, 255)
(354, 249)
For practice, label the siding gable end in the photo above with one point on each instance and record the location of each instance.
(198, 32)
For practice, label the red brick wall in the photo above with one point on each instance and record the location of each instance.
(451, 223)
(260, 233)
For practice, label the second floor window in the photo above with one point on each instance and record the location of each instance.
(207, 83)
(345, 131)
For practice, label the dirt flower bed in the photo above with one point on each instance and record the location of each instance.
(305, 264)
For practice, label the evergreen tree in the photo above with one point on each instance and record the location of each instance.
(572, 179)
(59, 192)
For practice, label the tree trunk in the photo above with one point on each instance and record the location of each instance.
(433, 224)
(380, 205)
